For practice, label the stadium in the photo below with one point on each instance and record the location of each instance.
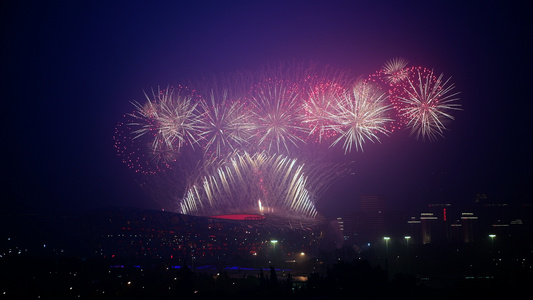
(123, 235)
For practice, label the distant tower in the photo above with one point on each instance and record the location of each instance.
(468, 223)
(427, 222)
(349, 224)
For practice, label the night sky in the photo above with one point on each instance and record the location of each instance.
(69, 71)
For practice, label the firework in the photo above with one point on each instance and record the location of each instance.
(251, 126)
(319, 108)
(258, 184)
(276, 114)
(171, 118)
(427, 101)
(225, 125)
(360, 116)
(136, 153)
(394, 70)
(179, 121)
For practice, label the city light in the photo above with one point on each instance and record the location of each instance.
(274, 242)
(492, 236)
(387, 238)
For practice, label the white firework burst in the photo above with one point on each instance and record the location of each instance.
(275, 109)
(171, 118)
(361, 116)
(225, 125)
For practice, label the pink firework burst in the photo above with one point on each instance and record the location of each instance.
(318, 109)
(138, 152)
(426, 103)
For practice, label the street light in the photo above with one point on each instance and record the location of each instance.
(274, 242)
(387, 238)
(492, 236)
(407, 237)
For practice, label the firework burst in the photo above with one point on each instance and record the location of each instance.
(250, 127)
(225, 125)
(136, 153)
(178, 118)
(394, 71)
(427, 101)
(170, 118)
(360, 116)
(276, 114)
(318, 110)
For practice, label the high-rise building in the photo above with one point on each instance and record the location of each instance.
(372, 218)
(366, 225)
(348, 224)
(468, 222)
(427, 222)
(440, 227)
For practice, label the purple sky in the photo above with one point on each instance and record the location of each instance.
(69, 71)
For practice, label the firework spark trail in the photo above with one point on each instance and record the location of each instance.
(237, 185)
(427, 102)
(361, 116)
